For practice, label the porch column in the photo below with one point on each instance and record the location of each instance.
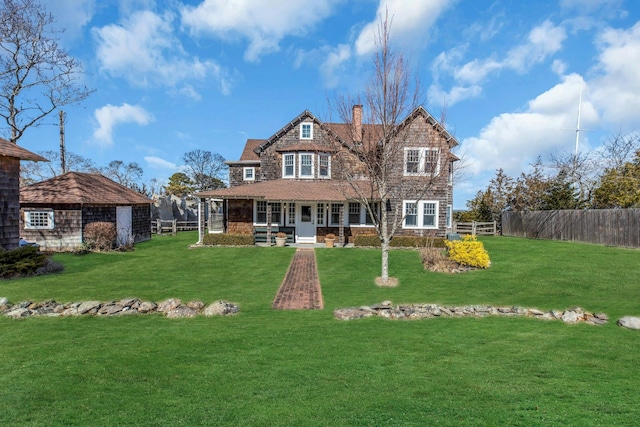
(341, 226)
(268, 223)
(201, 220)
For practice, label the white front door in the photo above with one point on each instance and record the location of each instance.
(124, 225)
(306, 226)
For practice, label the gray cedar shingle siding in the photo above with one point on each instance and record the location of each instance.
(9, 202)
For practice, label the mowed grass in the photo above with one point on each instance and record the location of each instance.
(265, 367)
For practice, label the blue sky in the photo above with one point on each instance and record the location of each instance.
(173, 76)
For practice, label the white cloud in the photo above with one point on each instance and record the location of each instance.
(111, 116)
(616, 87)
(333, 62)
(144, 51)
(410, 22)
(159, 163)
(542, 42)
(264, 24)
(72, 15)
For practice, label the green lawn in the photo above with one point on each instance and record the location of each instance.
(270, 368)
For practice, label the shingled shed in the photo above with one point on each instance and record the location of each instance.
(10, 156)
(54, 212)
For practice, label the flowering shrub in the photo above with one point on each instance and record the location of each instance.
(468, 251)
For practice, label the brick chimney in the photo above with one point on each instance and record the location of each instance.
(357, 123)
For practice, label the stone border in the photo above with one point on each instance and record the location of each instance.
(171, 308)
(427, 311)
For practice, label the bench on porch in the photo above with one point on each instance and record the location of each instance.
(260, 233)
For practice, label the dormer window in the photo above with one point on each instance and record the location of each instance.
(306, 130)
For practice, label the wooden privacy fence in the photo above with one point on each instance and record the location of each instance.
(612, 227)
(476, 228)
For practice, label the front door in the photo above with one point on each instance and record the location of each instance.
(307, 223)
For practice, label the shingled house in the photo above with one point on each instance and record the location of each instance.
(10, 156)
(294, 181)
(54, 212)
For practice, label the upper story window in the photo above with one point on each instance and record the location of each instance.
(306, 165)
(38, 220)
(306, 130)
(288, 165)
(423, 214)
(421, 161)
(324, 166)
(249, 173)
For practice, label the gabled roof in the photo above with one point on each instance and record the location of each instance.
(9, 149)
(421, 111)
(306, 114)
(291, 190)
(81, 188)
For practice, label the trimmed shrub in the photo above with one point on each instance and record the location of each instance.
(24, 261)
(100, 235)
(468, 251)
(400, 241)
(222, 239)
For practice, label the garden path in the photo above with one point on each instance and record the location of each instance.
(300, 289)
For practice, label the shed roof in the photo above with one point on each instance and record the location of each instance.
(9, 149)
(81, 188)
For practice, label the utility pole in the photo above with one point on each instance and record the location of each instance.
(63, 166)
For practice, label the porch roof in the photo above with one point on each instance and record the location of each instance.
(289, 190)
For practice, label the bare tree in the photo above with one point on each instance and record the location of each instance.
(380, 127)
(36, 75)
(618, 150)
(31, 172)
(205, 169)
(127, 174)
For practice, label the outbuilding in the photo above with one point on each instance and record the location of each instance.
(54, 212)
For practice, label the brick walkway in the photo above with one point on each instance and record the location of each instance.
(300, 289)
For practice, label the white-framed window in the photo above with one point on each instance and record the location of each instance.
(375, 208)
(276, 213)
(292, 213)
(288, 165)
(354, 213)
(421, 161)
(324, 166)
(335, 213)
(423, 214)
(306, 130)
(38, 220)
(320, 214)
(451, 169)
(449, 218)
(261, 212)
(306, 165)
(249, 173)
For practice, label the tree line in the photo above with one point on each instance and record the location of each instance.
(607, 178)
(202, 170)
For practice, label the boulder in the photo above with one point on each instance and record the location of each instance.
(181, 311)
(88, 306)
(168, 305)
(570, 316)
(147, 307)
(220, 308)
(630, 322)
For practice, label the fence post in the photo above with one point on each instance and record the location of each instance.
(158, 226)
(495, 227)
(473, 228)
(174, 227)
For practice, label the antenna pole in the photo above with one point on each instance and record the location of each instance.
(63, 165)
(578, 123)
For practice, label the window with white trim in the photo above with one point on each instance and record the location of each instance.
(354, 213)
(375, 208)
(261, 212)
(320, 214)
(324, 166)
(448, 220)
(421, 161)
(38, 220)
(335, 213)
(288, 165)
(292, 213)
(276, 213)
(423, 214)
(306, 165)
(306, 130)
(249, 173)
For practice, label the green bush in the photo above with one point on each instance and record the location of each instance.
(400, 241)
(21, 262)
(222, 239)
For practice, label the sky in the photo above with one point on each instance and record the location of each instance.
(174, 76)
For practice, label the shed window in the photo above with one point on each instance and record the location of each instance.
(38, 220)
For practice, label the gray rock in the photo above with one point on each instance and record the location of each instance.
(601, 316)
(18, 313)
(535, 312)
(630, 322)
(196, 305)
(4, 301)
(168, 305)
(88, 306)
(220, 308)
(596, 321)
(147, 307)
(570, 316)
(111, 309)
(181, 311)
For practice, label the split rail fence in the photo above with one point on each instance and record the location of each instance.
(476, 228)
(611, 227)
